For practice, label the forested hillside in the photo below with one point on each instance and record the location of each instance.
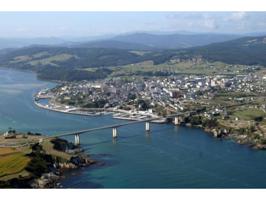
(70, 63)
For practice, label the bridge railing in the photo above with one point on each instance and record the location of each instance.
(113, 127)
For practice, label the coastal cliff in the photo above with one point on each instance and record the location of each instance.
(45, 163)
(250, 133)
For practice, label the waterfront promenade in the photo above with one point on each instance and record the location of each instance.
(117, 113)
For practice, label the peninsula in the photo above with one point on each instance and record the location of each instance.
(32, 160)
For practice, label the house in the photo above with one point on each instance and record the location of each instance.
(10, 134)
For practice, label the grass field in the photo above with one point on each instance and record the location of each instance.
(187, 67)
(7, 151)
(48, 148)
(234, 124)
(249, 114)
(12, 162)
(49, 60)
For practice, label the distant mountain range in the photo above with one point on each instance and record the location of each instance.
(142, 41)
(65, 61)
(146, 41)
(174, 41)
(23, 42)
(247, 50)
(113, 44)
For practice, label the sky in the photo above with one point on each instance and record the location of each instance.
(87, 24)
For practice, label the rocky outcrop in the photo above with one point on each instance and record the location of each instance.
(47, 165)
(48, 180)
(81, 160)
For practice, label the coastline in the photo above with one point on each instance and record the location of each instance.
(47, 161)
(216, 131)
(116, 113)
(171, 129)
(64, 111)
(222, 133)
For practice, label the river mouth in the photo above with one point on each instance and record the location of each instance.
(170, 157)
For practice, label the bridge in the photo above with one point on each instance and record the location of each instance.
(114, 128)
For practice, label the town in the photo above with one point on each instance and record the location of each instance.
(224, 105)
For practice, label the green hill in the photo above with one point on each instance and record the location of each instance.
(247, 51)
(63, 63)
(68, 63)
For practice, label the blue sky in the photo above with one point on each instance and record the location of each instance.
(83, 24)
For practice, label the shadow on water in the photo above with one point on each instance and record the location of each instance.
(81, 178)
(106, 160)
(75, 179)
(103, 161)
(87, 146)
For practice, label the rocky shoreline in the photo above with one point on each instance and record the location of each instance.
(77, 159)
(49, 160)
(223, 133)
(52, 178)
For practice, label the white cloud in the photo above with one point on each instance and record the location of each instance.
(238, 16)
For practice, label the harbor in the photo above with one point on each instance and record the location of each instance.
(116, 113)
(182, 155)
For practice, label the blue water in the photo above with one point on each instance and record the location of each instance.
(171, 157)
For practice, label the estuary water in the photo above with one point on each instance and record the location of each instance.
(170, 157)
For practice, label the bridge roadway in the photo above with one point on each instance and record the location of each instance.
(114, 126)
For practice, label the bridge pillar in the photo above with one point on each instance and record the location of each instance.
(77, 139)
(176, 121)
(114, 132)
(147, 126)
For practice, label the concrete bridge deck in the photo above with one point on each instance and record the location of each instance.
(114, 128)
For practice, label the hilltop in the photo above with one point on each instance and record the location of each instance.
(247, 50)
(97, 60)
(175, 40)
